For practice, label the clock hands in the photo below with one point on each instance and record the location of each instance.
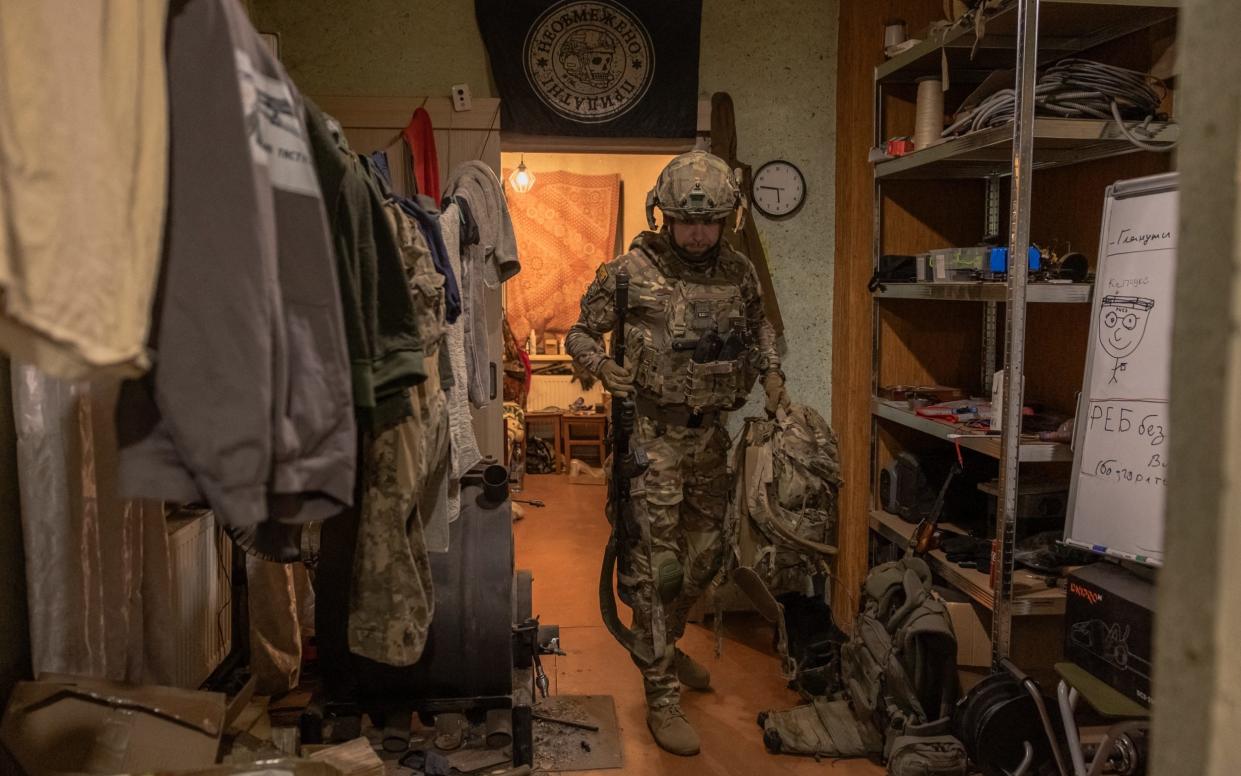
(776, 189)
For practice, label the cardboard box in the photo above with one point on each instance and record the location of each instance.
(1108, 616)
(66, 724)
(973, 640)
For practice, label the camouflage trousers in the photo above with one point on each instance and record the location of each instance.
(679, 504)
(392, 600)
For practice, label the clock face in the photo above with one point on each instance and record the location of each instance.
(779, 189)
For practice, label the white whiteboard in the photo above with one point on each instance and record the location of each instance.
(1120, 459)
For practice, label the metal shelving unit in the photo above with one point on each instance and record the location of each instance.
(1020, 35)
(1048, 293)
(1032, 450)
(1068, 27)
(988, 152)
(1032, 596)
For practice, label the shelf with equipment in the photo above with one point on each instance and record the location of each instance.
(1067, 27)
(1033, 180)
(986, 291)
(1031, 595)
(1032, 450)
(988, 152)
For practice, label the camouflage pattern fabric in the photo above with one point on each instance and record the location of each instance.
(673, 302)
(426, 284)
(783, 523)
(679, 503)
(405, 472)
(392, 601)
(696, 184)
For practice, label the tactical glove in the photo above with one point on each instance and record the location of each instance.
(617, 379)
(777, 395)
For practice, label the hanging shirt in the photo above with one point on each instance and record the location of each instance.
(486, 264)
(429, 221)
(420, 140)
(464, 444)
(380, 323)
(83, 155)
(248, 403)
(427, 218)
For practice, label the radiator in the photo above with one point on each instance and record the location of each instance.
(558, 391)
(202, 562)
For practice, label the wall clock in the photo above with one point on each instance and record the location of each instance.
(779, 189)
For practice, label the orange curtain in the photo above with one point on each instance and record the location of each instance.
(565, 227)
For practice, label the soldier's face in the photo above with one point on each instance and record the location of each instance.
(697, 237)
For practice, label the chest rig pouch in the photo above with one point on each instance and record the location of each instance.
(697, 348)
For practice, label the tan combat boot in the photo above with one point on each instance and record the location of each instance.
(672, 730)
(691, 673)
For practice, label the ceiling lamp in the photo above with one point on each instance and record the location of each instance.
(522, 180)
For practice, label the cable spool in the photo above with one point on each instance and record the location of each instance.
(929, 114)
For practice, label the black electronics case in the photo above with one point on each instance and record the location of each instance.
(1108, 631)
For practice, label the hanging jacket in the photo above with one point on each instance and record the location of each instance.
(246, 405)
(487, 264)
(428, 221)
(380, 323)
(420, 140)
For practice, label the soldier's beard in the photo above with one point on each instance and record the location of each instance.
(697, 258)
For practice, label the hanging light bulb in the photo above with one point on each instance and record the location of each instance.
(522, 180)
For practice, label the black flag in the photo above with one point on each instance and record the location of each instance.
(608, 68)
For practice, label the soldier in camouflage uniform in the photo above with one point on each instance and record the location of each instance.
(697, 341)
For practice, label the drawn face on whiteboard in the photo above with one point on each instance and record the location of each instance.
(1122, 323)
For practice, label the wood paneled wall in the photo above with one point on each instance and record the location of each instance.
(860, 48)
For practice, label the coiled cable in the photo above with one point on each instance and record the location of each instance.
(1080, 88)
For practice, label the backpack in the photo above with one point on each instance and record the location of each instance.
(899, 675)
(780, 528)
(900, 665)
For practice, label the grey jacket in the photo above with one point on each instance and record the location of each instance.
(487, 264)
(248, 403)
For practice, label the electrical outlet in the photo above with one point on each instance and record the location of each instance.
(461, 97)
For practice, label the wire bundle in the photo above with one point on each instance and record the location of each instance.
(1079, 88)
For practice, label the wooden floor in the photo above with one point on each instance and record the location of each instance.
(563, 545)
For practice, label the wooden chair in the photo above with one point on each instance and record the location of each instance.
(584, 433)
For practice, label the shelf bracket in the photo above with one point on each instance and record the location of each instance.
(1015, 325)
(990, 316)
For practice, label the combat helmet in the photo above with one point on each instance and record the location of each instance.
(696, 185)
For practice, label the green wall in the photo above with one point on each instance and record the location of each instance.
(777, 58)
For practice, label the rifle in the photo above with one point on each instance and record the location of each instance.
(923, 539)
(626, 464)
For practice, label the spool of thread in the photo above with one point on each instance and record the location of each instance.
(929, 113)
(893, 33)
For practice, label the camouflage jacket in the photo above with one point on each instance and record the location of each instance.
(671, 305)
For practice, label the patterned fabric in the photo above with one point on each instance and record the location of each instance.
(391, 602)
(566, 226)
(426, 284)
(672, 304)
(679, 504)
(405, 496)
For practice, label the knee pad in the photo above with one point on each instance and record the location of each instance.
(669, 576)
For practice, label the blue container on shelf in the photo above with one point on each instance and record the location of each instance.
(998, 260)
